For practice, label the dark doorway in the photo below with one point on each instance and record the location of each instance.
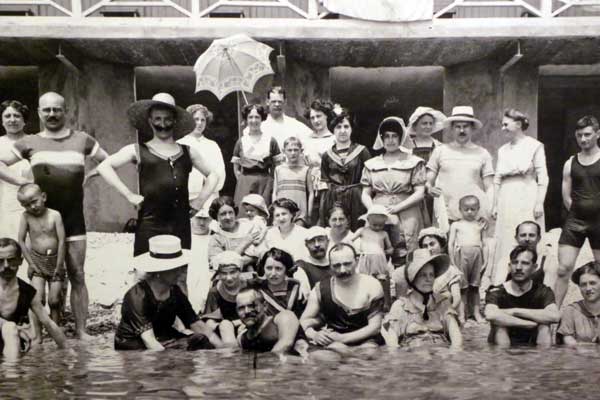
(375, 93)
(562, 101)
(21, 83)
(180, 82)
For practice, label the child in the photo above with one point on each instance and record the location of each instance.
(46, 251)
(466, 248)
(375, 247)
(198, 274)
(256, 212)
(294, 181)
(220, 310)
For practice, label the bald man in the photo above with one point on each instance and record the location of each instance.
(57, 156)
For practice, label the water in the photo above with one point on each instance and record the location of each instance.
(479, 371)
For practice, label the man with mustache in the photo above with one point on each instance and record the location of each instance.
(279, 125)
(57, 156)
(346, 309)
(278, 334)
(316, 264)
(163, 169)
(521, 311)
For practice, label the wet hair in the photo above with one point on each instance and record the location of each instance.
(288, 204)
(324, 106)
(539, 228)
(8, 242)
(519, 116)
(219, 202)
(276, 90)
(587, 120)
(292, 140)
(467, 198)
(337, 206)
(17, 105)
(24, 188)
(344, 115)
(441, 240)
(260, 109)
(194, 108)
(592, 267)
(523, 249)
(391, 125)
(279, 255)
(341, 246)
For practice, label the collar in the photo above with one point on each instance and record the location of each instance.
(584, 310)
(509, 288)
(320, 263)
(378, 162)
(65, 134)
(314, 135)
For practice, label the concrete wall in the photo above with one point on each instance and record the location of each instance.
(97, 100)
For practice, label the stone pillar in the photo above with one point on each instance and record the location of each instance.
(480, 85)
(97, 101)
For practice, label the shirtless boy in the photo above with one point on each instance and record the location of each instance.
(17, 298)
(466, 247)
(46, 251)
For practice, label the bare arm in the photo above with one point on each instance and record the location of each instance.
(416, 197)
(499, 317)
(62, 244)
(311, 313)
(6, 174)
(387, 244)
(150, 340)
(367, 197)
(23, 230)
(452, 240)
(202, 328)
(211, 182)
(430, 185)
(455, 292)
(55, 332)
(456, 339)
(567, 185)
(107, 170)
(98, 157)
(488, 187)
(287, 326)
(548, 315)
(311, 193)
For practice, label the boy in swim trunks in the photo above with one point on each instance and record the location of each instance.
(46, 252)
(581, 196)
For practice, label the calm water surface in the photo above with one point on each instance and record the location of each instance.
(479, 371)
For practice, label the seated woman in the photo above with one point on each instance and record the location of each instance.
(220, 310)
(580, 320)
(423, 318)
(151, 306)
(279, 289)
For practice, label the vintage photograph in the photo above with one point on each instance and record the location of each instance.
(299, 199)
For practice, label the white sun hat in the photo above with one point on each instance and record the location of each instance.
(165, 253)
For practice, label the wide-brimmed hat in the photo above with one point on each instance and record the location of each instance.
(379, 141)
(422, 257)
(316, 231)
(138, 116)
(464, 114)
(376, 209)
(164, 254)
(256, 200)
(438, 119)
(431, 231)
(579, 271)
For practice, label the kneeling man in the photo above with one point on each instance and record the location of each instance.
(278, 334)
(346, 309)
(520, 310)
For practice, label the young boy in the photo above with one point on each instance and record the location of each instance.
(46, 254)
(466, 248)
(293, 180)
(198, 274)
(257, 212)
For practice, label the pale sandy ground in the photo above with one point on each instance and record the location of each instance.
(110, 259)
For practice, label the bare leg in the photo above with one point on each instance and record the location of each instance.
(567, 255)
(544, 336)
(463, 313)
(55, 300)
(39, 284)
(475, 300)
(10, 337)
(227, 332)
(501, 337)
(79, 294)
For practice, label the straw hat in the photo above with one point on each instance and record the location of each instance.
(138, 116)
(315, 231)
(164, 254)
(438, 119)
(463, 114)
(376, 209)
(379, 141)
(421, 257)
(256, 200)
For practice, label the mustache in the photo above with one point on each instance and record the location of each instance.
(165, 128)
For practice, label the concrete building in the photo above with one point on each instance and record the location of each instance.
(540, 56)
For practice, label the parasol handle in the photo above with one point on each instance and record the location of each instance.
(245, 98)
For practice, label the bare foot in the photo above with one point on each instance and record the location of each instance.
(478, 317)
(84, 337)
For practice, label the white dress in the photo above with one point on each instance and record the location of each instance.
(521, 168)
(11, 210)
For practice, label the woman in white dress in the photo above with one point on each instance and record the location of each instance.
(14, 116)
(520, 183)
